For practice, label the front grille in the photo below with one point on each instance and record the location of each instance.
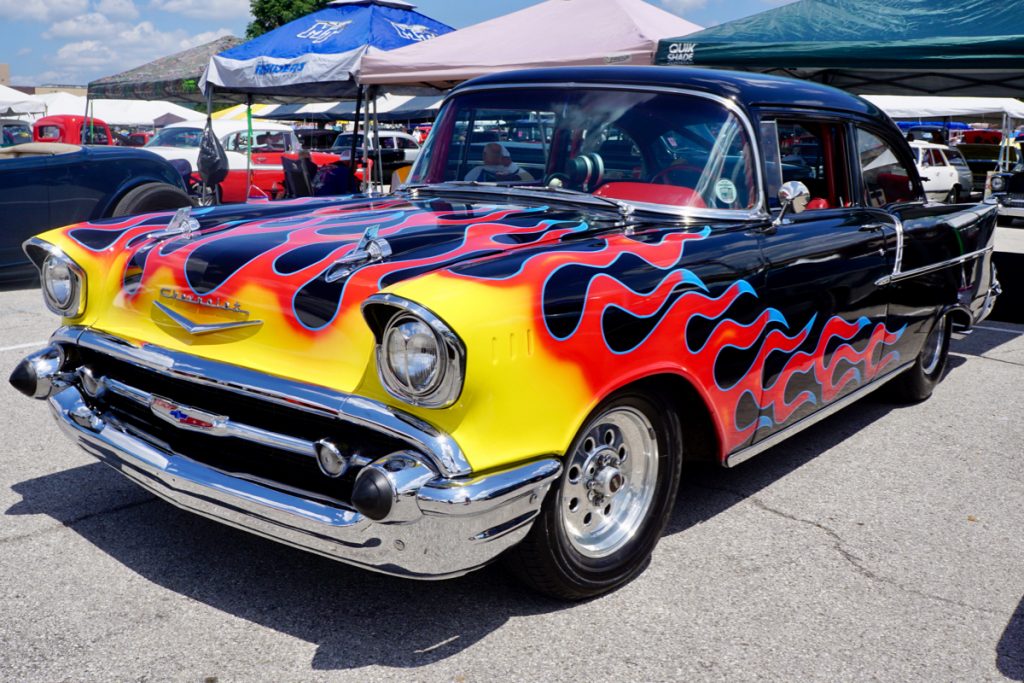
(284, 469)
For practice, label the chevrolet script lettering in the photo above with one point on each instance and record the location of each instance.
(208, 302)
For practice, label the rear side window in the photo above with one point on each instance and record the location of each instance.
(956, 159)
(49, 133)
(886, 179)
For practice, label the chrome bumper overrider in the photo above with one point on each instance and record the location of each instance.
(449, 525)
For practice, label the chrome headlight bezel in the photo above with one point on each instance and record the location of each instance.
(446, 385)
(50, 259)
(998, 183)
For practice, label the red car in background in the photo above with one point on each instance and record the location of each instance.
(71, 129)
(271, 142)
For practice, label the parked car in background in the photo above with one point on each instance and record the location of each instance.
(397, 149)
(44, 185)
(933, 134)
(966, 177)
(316, 139)
(72, 130)
(14, 132)
(271, 141)
(940, 179)
(139, 138)
(984, 158)
(423, 382)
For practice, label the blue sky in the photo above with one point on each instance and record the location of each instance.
(75, 41)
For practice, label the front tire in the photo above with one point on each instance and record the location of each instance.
(597, 529)
(917, 383)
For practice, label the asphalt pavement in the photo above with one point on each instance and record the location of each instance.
(885, 543)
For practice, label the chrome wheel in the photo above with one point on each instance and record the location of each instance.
(609, 482)
(932, 352)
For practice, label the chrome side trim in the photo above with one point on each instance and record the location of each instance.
(923, 270)
(778, 437)
(761, 212)
(496, 512)
(202, 328)
(441, 448)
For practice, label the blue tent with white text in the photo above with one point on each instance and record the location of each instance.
(317, 56)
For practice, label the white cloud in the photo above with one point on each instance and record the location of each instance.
(24, 51)
(92, 25)
(119, 9)
(683, 6)
(42, 10)
(203, 38)
(203, 9)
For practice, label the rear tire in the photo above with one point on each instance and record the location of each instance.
(598, 527)
(150, 198)
(954, 195)
(917, 383)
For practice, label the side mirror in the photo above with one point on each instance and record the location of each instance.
(793, 196)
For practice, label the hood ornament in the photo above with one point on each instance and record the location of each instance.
(183, 224)
(369, 249)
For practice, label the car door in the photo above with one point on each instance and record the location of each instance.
(822, 268)
(941, 254)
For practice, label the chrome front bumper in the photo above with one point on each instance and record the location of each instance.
(450, 524)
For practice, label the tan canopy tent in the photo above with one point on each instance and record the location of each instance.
(552, 33)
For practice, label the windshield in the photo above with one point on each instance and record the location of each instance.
(177, 137)
(642, 147)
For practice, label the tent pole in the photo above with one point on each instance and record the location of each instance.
(355, 128)
(376, 136)
(248, 146)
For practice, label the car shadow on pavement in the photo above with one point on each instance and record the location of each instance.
(1010, 650)
(357, 618)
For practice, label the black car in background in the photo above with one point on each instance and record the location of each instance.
(47, 185)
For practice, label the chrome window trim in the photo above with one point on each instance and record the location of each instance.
(440, 447)
(449, 388)
(761, 206)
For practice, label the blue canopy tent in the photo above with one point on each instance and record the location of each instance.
(317, 57)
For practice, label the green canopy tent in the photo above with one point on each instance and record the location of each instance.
(174, 78)
(947, 47)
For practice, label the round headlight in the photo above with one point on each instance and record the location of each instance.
(62, 285)
(412, 354)
(59, 281)
(998, 183)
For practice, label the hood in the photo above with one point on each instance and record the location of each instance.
(260, 285)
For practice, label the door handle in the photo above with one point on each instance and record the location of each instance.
(872, 227)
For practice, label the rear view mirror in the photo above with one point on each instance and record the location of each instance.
(793, 196)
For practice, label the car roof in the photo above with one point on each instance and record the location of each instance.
(928, 145)
(222, 128)
(749, 89)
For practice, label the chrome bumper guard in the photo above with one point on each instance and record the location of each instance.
(449, 525)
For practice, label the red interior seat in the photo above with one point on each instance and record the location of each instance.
(651, 193)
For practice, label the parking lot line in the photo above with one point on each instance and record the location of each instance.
(21, 346)
(997, 329)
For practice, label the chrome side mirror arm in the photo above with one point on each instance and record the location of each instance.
(793, 196)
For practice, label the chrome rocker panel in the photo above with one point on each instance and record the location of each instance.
(459, 523)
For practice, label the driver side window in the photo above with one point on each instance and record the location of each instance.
(814, 153)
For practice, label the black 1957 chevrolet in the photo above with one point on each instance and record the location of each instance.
(515, 354)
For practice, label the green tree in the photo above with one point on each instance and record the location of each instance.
(269, 14)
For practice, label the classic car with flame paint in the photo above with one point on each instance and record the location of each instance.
(519, 367)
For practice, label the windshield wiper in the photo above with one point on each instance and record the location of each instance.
(624, 209)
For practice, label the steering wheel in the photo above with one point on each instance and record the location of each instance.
(661, 177)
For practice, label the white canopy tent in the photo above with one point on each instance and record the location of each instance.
(552, 33)
(918, 106)
(388, 107)
(115, 112)
(16, 103)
